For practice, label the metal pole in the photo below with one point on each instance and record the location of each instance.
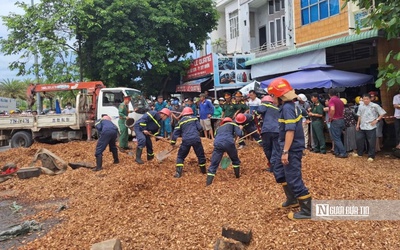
(36, 62)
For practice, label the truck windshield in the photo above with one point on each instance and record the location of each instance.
(139, 103)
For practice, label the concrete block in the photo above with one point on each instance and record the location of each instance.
(26, 173)
(228, 244)
(113, 244)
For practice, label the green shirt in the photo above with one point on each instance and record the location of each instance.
(123, 110)
(229, 109)
(317, 109)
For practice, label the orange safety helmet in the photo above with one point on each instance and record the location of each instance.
(165, 111)
(187, 111)
(225, 120)
(240, 118)
(279, 87)
(267, 98)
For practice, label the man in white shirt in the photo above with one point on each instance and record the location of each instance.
(396, 106)
(69, 109)
(369, 114)
(253, 101)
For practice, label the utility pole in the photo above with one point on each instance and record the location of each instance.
(36, 62)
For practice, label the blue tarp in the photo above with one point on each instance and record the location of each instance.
(322, 76)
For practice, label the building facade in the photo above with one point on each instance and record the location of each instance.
(287, 34)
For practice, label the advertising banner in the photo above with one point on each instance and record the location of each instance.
(200, 67)
(231, 70)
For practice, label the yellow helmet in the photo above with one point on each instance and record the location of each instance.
(344, 101)
(357, 99)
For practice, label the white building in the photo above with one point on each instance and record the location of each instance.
(253, 26)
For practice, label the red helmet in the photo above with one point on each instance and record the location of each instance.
(279, 87)
(165, 111)
(225, 120)
(240, 118)
(187, 111)
(267, 98)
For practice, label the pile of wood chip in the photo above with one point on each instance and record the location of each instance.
(146, 208)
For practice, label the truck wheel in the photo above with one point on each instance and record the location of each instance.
(21, 139)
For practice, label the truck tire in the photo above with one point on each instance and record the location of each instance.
(21, 139)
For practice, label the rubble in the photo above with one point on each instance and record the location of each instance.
(146, 208)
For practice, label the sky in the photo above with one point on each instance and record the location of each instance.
(7, 6)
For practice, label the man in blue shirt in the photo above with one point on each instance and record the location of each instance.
(291, 142)
(108, 133)
(206, 110)
(158, 106)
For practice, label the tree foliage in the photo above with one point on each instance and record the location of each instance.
(48, 31)
(12, 88)
(143, 39)
(386, 16)
(121, 42)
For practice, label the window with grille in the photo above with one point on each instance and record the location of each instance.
(234, 24)
(315, 10)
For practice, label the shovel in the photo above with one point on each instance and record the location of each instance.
(160, 138)
(225, 162)
(241, 138)
(165, 153)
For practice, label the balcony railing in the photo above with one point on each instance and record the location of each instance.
(269, 48)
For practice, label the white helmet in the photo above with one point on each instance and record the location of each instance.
(302, 97)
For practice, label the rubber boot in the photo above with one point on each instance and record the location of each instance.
(139, 155)
(291, 201)
(150, 157)
(210, 178)
(203, 169)
(99, 163)
(178, 173)
(237, 171)
(115, 156)
(305, 209)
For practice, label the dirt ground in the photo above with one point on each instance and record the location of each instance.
(146, 208)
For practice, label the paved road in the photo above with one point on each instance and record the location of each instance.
(4, 148)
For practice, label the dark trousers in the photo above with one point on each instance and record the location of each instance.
(250, 128)
(291, 174)
(106, 138)
(271, 147)
(370, 136)
(337, 127)
(184, 151)
(318, 135)
(144, 141)
(397, 130)
(217, 154)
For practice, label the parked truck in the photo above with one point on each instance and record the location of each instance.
(92, 100)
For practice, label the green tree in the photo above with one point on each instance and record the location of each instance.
(12, 88)
(143, 41)
(386, 16)
(47, 30)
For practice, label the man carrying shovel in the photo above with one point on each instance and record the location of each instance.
(188, 127)
(224, 142)
(148, 124)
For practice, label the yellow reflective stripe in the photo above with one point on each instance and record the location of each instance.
(202, 165)
(259, 141)
(97, 123)
(210, 174)
(288, 121)
(186, 121)
(236, 166)
(179, 164)
(270, 106)
(155, 121)
(173, 141)
(150, 154)
(157, 133)
(304, 197)
(241, 140)
(143, 124)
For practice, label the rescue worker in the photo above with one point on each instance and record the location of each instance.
(270, 130)
(108, 134)
(224, 142)
(249, 126)
(123, 112)
(291, 140)
(188, 127)
(148, 124)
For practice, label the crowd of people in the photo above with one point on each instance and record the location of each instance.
(284, 123)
